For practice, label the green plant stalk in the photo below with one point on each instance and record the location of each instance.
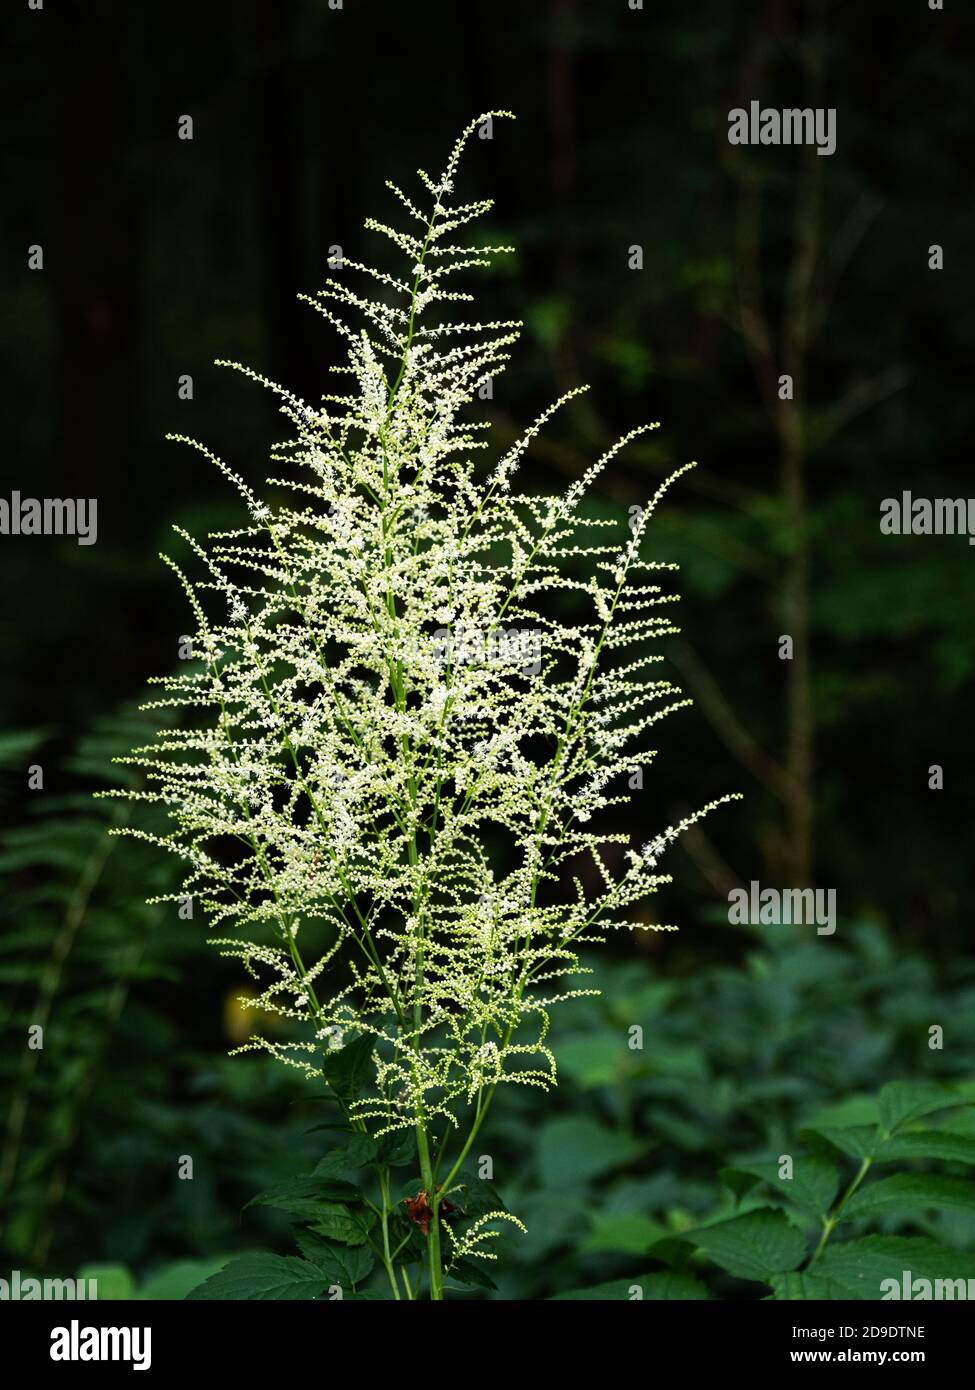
(434, 1259)
(831, 1222)
(383, 1175)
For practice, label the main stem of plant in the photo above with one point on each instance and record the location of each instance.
(434, 1259)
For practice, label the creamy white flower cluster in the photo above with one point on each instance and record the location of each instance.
(394, 840)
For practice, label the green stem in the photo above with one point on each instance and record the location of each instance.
(480, 1115)
(434, 1261)
(831, 1222)
(383, 1176)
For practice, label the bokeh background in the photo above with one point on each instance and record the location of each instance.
(161, 254)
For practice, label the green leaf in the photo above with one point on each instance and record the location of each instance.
(469, 1274)
(859, 1267)
(902, 1101)
(910, 1193)
(812, 1186)
(551, 1222)
(662, 1286)
(573, 1150)
(348, 1069)
(359, 1152)
(338, 1222)
(630, 1233)
(803, 1285)
(342, 1264)
(845, 1114)
(397, 1150)
(264, 1276)
(114, 1281)
(737, 1181)
(475, 1196)
(928, 1143)
(959, 1122)
(304, 1196)
(336, 1126)
(596, 1059)
(859, 1141)
(753, 1246)
(178, 1280)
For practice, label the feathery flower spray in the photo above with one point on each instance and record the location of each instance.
(382, 807)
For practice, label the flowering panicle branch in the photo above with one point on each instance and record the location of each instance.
(384, 805)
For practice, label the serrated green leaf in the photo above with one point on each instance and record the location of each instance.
(348, 1069)
(859, 1141)
(398, 1150)
(305, 1196)
(959, 1122)
(813, 1185)
(335, 1221)
(803, 1285)
(928, 1143)
(474, 1195)
(737, 1181)
(661, 1286)
(345, 1265)
(359, 1152)
(755, 1245)
(903, 1101)
(849, 1113)
(859, 1267)
(907, 1193)
(469, 1274)
(264, 1276)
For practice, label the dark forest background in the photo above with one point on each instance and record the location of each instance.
(161, 254)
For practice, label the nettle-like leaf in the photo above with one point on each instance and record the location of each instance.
(905, 1193)
(349, 1070)
(859, 1268)
(766, 1246)
(927, 1143)
(812, 1184)
(754, 1246)
(264, 1276)
(659, 1286)
(900, 1102)
(308, 1196)
(343, 1265)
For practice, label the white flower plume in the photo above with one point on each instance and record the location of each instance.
(385, 807)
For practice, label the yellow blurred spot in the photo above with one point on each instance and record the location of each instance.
(240, 1022)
